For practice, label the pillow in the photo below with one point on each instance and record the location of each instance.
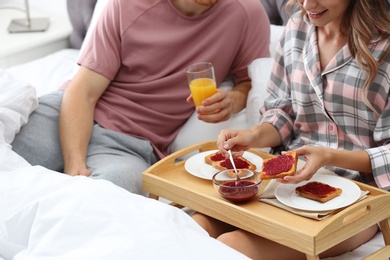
(95, 16)
(276, 33)
(80, 14)
(276, 11)
(259, 72)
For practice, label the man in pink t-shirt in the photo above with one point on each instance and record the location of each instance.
(130, 96)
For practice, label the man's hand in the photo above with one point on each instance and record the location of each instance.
(223, 104)
(84, 171)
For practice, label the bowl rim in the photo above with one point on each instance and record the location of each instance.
(221, 184)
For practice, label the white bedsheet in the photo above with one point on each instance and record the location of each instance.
(47, 73)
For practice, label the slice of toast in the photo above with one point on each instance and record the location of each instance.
(214, 157)
(240, 162)
(280, 166)
(318, 191)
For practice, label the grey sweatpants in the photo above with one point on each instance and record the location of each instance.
(112, 156)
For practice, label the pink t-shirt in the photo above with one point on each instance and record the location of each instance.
(144, 48)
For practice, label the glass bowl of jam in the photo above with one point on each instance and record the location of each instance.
(226, 184)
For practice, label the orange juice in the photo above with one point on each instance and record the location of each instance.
(201, 89)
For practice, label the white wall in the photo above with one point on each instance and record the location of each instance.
(50, 7)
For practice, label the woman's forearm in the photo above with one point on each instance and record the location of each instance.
(266, 135)
(358, 160)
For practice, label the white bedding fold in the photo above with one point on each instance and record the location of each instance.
(17, 100)
(48, 215)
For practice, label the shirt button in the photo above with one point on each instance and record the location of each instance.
(330, 128)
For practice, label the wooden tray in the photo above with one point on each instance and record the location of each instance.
(168, 179)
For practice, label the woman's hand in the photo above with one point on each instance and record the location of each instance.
(238, 141)
(315, 157)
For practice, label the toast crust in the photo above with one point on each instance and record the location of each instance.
(318, 191)
(280, 166)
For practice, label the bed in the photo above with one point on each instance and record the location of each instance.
(49, 215)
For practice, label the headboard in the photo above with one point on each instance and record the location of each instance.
(80, 14)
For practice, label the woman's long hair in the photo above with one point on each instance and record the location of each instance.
(362, 20)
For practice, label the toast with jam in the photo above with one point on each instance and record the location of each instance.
(219, 162)
(279, 166)
(318, 191)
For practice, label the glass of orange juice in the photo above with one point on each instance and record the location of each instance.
(201, 79)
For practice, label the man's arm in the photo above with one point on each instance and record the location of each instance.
(240, 95)
(77, 117)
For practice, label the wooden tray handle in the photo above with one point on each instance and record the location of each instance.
(348, 216)
(178, 156)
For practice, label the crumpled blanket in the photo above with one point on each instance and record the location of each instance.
(17, 100)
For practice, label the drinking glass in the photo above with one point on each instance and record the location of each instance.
(201, 79)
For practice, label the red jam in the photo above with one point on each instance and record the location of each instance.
(318, 188)
(246, 190)
(240, 164)
(279, 164)
(217, 157)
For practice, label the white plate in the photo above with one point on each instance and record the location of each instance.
(196, 165)
(285, 193)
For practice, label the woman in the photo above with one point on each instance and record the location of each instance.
(328, 100)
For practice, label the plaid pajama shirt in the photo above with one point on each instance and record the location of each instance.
(313, 107)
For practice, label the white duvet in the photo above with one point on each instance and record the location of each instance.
(17, 101)
(49, 215)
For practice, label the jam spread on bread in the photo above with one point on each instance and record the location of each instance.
(240, 164)
(282, 163)
(318, 191)
(318, 188)
(279, 166)
(219, 162)
(217, 157)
